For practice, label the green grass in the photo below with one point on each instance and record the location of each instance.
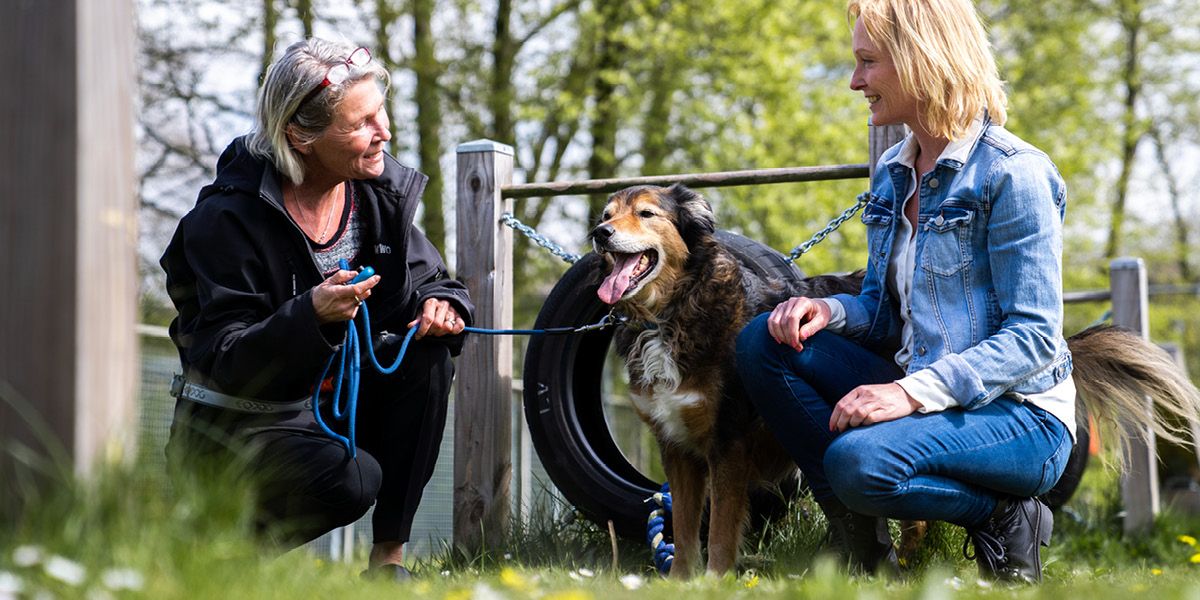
(191, 539)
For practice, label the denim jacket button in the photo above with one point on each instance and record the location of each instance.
(939, 220)
(933, 183)
(921, 351)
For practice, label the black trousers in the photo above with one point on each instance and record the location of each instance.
(306, 482)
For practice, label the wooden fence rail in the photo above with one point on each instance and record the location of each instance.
(695, 180)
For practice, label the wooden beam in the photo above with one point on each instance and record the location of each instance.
(694, 180)
(483, 391)
(1139, 483)
(68, 228)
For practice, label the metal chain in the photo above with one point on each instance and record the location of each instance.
(819, 236)
(557, 250)
(541, 240)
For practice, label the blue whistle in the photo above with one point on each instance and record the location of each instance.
(363, 274)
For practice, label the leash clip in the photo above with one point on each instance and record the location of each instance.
(609, 320)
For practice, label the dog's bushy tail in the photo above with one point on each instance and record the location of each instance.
(1115, 371)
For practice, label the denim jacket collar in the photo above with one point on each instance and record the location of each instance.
(955, 153)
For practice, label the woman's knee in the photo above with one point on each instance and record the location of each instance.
(363, 483)
(753, 342)
(353, 490)
(861, 473)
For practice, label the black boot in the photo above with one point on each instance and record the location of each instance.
(862, 542)
(1007, 546)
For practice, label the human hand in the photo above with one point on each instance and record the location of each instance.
(797, 319)
(334, 301)
(437, 318)
(867, 404)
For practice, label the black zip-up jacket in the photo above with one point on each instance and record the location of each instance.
(241, 273)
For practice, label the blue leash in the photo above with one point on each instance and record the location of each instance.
(350, 353)
(664, 553)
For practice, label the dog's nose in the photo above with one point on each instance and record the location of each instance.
(602, 232)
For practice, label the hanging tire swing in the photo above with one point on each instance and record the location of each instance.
(564, 404)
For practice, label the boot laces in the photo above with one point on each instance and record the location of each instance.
(988, 548)
(989, 542)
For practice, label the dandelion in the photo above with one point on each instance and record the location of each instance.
(1195, 559)
(123, 579)
(1187, 539)
(27, 556)
(513, 580)
(65, 570)
(631, 581)
(10, 585)
(752, 582)
(1156, 571)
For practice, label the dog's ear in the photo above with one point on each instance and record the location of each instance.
(693, 213)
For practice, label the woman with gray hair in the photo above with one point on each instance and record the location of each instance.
(253, 270)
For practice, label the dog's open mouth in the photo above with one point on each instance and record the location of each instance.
(628, 270)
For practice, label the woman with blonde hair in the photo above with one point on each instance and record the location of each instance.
(943, 390)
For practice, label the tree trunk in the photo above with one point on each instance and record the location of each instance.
(387, 14)
(270, 18)
(1181, 225)
(429, 120)
(1131, 75)
(304, 8)
(603, 161)
(658, 121)
(504, 52)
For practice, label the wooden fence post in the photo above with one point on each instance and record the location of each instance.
(1139, 484)
(483, 396)
(880, 138)
(68, 235)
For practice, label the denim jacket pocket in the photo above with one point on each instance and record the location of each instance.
(877, 216)
(947, 248)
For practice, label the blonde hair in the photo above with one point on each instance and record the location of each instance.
(288, 82)
(942, 56)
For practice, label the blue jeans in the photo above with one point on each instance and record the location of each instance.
(950, 466)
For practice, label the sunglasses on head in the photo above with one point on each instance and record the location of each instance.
(338, 73)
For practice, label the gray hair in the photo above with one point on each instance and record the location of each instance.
(297, 73)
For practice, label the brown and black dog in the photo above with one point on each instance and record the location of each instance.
(690, 297)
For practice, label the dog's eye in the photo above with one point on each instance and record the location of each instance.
(646, 214)
(606, 216)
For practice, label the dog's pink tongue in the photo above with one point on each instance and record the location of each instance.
(614, 286)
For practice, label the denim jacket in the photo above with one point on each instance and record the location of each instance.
(987, 292)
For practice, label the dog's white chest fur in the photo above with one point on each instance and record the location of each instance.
(660, 397)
